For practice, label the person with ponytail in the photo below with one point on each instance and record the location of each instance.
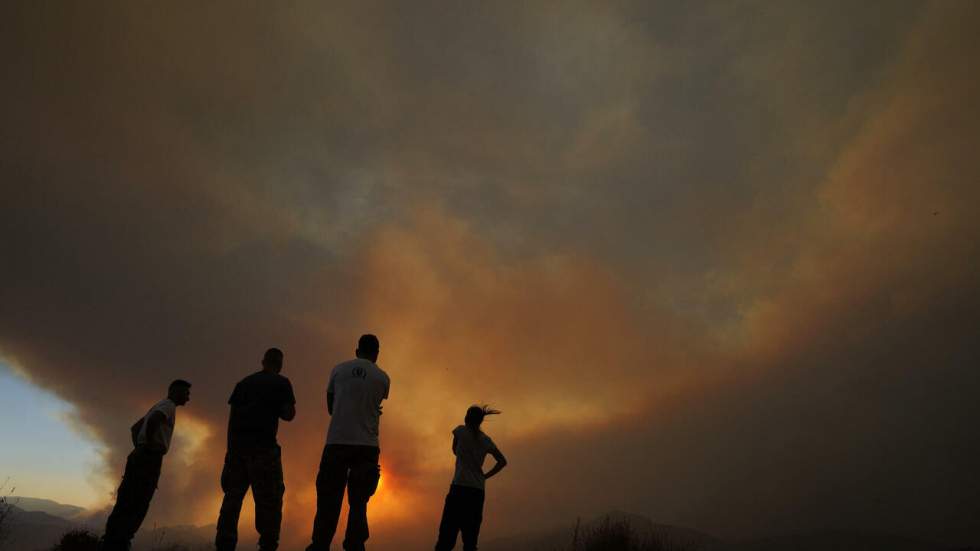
(463, 512)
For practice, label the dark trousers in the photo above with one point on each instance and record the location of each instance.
(133, 497)
(262, 470)
(356, 469)
(463, 512)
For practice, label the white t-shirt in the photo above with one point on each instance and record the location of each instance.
(358, 387)
(471, 450)
(166, 430)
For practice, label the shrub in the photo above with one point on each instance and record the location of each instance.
(77, 540)
(610, 535)
(619, 535)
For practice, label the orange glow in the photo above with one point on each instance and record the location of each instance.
(388, 501)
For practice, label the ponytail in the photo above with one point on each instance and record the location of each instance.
(476, 414)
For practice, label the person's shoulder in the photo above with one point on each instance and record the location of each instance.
(346, 363)
(269, 381)
(486, 441)
(251, 378)
(166, 405)
(459, 430)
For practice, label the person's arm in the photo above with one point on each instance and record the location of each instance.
(134, 431)
(330, 386)
(288, 410)
(501, 463)
(454, 444)
(385, 397)
(153, 423)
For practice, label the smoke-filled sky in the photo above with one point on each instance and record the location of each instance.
(716, 262)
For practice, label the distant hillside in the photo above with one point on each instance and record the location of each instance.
(559, 538)
(34, 530)
(48, 506)
(838, 541)
(34, 527)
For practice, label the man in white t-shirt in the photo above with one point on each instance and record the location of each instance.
(151, 439)
(350, 457)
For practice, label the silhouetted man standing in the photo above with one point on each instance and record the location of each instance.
(254, 459)
(151, 438)
(350, 457)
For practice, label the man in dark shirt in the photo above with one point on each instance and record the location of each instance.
(253, 459)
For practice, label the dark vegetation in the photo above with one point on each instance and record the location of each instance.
(78, 540)
(607, 534)
(620, 535)
(83, 540)
(6, 509)
(160, 543)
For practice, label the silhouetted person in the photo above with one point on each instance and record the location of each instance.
(254, 459)
(463, 511)
(151, 438)
(350, 457)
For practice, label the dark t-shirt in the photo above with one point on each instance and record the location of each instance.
(255, 406)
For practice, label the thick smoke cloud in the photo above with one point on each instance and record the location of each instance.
(716, 264)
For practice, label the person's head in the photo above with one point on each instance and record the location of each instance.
(179, 392)
(368, 347)
(272, 360)
(476, 414)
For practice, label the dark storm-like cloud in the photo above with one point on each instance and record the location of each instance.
(691, 252)
(849, 388)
